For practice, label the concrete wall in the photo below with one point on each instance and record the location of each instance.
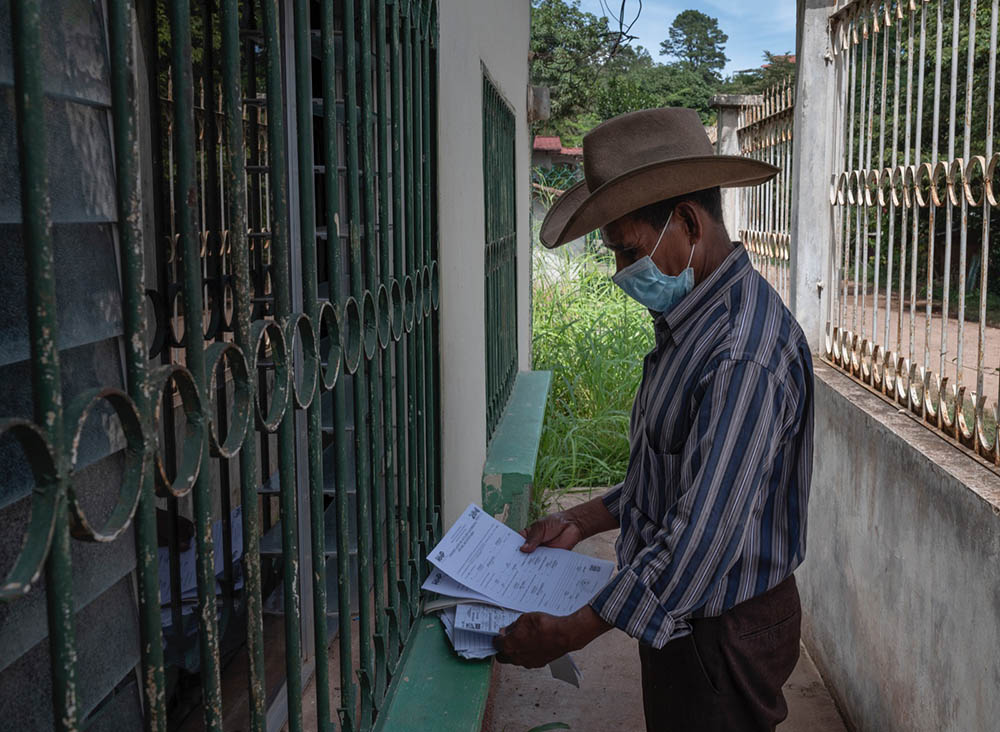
(901, 583)
(474, 34)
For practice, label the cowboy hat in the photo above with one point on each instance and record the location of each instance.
(638, 159)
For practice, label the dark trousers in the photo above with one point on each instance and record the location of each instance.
(728, 673)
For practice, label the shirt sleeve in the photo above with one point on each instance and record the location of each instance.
(725, 465)
(611, 500)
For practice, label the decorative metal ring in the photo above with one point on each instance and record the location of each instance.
(418, 297)
(396, 300)
(970, 196)
(923, 174)
(38, 536)
(833, 345)
(299, 329)
(228, 304)
(878, 366)
(212, 306)
(176, 315)
(242, 409)
(192, 447)
(329, 319)
(909, 181)
(160, 323)
(136, 458)
(369, 323)
(896, 186)
(351, 335)
(409, 298)
(384, 316)
(871, 188)
(426, 277)
(837, 190)
(281, 359)
(991, 171)
(884, 187)
(956, 170)
(853, 187)
(939, 176)
(984, 447)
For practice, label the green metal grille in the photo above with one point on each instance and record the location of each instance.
(274, 191)
(501, 252)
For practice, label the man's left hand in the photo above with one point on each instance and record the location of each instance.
(536, 639)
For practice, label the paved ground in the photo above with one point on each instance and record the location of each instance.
(609, 698)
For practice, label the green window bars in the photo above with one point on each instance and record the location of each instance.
(501, 252)
(261, 172)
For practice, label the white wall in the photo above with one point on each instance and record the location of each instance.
(901, 581)
(474, 34)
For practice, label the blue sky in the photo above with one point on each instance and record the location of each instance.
(753, 26)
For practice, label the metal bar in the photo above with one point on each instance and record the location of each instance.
(249, 478)
(185, 191)
(335, 274)
(310, 284)
(361, 429)
(408, 585)
(418, 230)
(964, 230)
(985, 246)
(46, 384)
(388, 451)
(133, 294)
(278, 194)
(375, 494)
(416, 555)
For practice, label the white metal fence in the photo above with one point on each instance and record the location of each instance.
(913, 303)
(764, 132)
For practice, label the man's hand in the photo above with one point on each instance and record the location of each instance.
(566, 529)
(536, 639)
(557, 530)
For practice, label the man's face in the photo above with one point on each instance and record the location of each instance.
(630, 240)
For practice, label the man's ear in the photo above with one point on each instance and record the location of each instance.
(689, 216)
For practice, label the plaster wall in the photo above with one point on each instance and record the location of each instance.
(474, 35)
(901, 582)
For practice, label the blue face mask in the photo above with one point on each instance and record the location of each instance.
(644, 282)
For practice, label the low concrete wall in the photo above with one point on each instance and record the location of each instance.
(901, 583)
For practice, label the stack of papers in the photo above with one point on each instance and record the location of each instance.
(488, 582)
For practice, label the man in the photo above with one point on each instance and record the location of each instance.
(712, 510)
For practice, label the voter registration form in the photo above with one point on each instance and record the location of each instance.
(485, 556)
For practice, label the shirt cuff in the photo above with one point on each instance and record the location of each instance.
(626, 603)
(611, 501)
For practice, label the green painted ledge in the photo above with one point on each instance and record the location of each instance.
(433, 689)
(509, 472)
(436, 691)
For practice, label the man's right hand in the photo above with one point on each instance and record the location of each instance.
(566, 529)
(557, 530)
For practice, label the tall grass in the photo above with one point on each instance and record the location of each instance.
(592, 337)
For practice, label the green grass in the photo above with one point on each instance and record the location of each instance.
(592, 337)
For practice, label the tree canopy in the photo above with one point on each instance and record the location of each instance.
(593, 73)
(697, 42)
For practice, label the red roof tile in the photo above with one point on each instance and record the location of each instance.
(551, 144)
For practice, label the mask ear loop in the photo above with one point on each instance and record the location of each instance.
(690, 256)
(662, 232)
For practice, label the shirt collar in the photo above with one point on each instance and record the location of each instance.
(676, 322)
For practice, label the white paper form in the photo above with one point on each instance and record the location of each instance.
(485, 555)
(437, 581)
(483, 618)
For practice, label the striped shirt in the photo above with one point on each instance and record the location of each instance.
(713, 505)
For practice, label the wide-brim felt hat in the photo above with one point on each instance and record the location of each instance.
(638, 159)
